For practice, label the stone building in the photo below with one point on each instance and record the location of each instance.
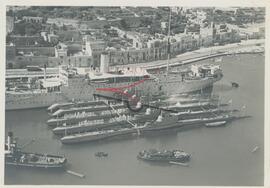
(76, 61)
(61, 50)
(94, 49)
(31, 19)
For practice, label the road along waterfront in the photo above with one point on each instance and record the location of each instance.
(249, 46)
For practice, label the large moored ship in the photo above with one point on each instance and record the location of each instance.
(83, 83)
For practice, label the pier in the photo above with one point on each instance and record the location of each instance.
(178, 163)
(75, 174)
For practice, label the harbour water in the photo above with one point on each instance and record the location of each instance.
(220, 156)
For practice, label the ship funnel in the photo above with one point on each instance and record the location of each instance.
(10, 139)
(104, 62)
(159, 119)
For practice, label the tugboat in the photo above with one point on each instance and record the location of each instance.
(101, 154)
(15, 157)
(235, 85)
(164, 156)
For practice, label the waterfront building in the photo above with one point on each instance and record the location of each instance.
(158, 48)
(60, 22)
(225, 34)
(78, 60)
(61, 50)
(253, 31)
(94, 49)
(44, 35)
(130, 56)
(250, 15)
(31, 19)
(206, 34)
(139, 41)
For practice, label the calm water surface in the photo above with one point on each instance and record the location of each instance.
(220, 156)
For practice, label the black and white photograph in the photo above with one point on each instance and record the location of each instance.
(167, 95)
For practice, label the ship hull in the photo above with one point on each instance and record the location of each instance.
(32, 100)
(14, 160)
(88, 138)
(34, 165)
(179, 124)
(83, 128)
(183, 160)
(187, 86)
(79, 89)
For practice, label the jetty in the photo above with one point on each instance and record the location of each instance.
(75, 174)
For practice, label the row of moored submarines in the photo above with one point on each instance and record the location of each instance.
(98, 120)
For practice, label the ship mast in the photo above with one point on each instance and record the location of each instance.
(169, 33)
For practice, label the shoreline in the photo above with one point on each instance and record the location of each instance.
(244, 47)
(186, 62)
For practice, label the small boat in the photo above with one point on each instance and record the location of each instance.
(101, 154)
(235, 85)
(255, 149)
(218, 59)
(15, 157)
(164, 156)
(215, 124)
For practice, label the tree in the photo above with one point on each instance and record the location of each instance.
(64, 27)
(106, 26)
(24, 28)
(123, 24)
(158, 16)
(146, 21)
